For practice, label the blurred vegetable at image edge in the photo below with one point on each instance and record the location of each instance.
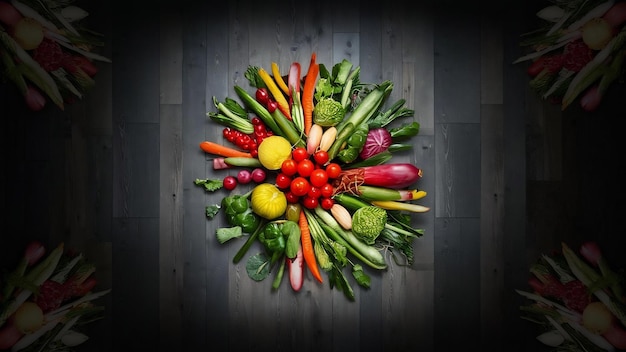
(329, 199)
(46, 51)
(47, 300)
(577, 300)
(578, 53)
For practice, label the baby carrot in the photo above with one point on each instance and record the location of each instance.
(218, 149)
(307, 246)
(307, 93)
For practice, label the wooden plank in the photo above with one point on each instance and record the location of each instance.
(393, 295)
(171, 54)
(171, 266)
(197, 312)
(418, 56)
(491, 227)
(135, 281)
(370, 56)
(514, 239)
(346, 46)
(491, 60)
(370, 43)
(136, 73)
(218, 257)
(457, 296)
(136, 186)
(242, 290)
(457, 65)
(457, 189)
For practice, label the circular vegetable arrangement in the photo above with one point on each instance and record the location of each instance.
(314, 153)
(579, 52)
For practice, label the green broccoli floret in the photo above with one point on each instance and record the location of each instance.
(368, 222)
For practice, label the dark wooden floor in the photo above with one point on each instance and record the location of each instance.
(508, 176)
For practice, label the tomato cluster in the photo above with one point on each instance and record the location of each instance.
(248, 142)
(308, 178)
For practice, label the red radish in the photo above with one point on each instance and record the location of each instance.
(33, 252)
(258, 175)
(591, 252)
(9, 335)
(616, 336)
(616, 15)
(34, 99)
(296, 270)
(591, 99)
(86, 65)
(220, 164)
(9, 15)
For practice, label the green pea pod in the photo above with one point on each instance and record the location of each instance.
(291, 231)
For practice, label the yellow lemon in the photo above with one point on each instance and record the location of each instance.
(28, 317)
(597, 33)
(28, 33)
(268, 201)
(273, 150)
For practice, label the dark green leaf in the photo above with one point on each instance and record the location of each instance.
(258, 267)
(212, 210)
(209, 185)
(360, 276)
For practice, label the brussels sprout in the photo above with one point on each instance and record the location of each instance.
(368, 222)
(328, 112)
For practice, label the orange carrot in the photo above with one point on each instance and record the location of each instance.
(308, 91)
(218, 149)
(307, 247)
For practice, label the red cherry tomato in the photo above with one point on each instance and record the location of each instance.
(333, 170)
(321, 157)
(289, 167)
(327, 203)
(283, 181)
(318, 177)
(262, 96)
(292, 198)
(300, 154)
(305, 167)
(314, 192)
(300, 186)
(230, 182)
(310, 202)
(272, 105)
(327, 190)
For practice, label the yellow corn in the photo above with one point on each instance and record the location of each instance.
(279, 79)
(278, 95)
(395, 205)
